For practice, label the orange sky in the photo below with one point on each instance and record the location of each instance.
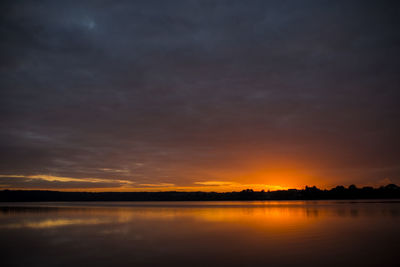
(220, 97)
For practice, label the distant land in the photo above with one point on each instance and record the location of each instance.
(390, 191)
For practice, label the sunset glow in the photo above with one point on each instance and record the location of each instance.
(188, 96)
(199, 133)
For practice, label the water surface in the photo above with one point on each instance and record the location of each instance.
(278, 233)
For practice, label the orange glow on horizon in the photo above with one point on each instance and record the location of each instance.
(250, 174)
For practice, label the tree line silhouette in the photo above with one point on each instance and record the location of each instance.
(389, 191)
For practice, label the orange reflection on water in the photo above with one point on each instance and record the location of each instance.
(272, 215)
(50, 223)
(322, 233)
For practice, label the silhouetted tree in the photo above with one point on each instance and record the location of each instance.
(339, 192)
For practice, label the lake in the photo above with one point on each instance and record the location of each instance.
(238, 233)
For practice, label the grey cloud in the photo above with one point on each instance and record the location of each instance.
(190, 85)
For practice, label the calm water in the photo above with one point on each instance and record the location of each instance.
(323, 233)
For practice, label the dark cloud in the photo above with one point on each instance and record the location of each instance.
(17, 182)
(181, 91)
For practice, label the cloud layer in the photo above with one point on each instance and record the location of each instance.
(177, 93)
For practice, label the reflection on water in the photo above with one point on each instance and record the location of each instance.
(47, 223)
(328, 233)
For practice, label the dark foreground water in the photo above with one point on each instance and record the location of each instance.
(280, 233)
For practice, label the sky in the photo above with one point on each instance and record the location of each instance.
(199, 95)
